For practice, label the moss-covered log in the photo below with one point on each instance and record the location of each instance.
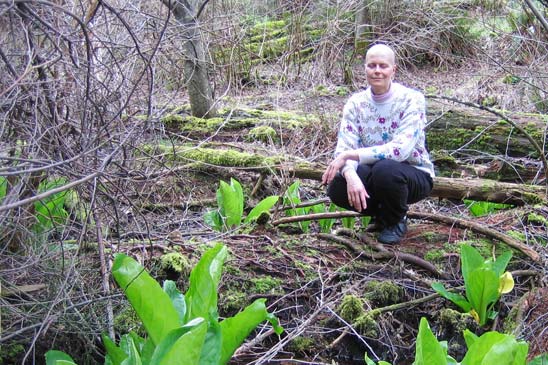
(458, 128)
(453, 188)
(240, 119)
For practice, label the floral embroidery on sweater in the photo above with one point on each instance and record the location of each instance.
(393, 129)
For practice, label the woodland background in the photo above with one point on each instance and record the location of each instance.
(126, 109)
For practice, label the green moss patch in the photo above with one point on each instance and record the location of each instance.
(382, 293)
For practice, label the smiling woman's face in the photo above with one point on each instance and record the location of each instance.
(380, 68)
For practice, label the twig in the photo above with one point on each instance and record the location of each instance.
(315, 216)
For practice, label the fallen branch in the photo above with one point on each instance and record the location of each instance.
(476, 227)
(479, 228)
(382, 253)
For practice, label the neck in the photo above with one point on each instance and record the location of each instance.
(381, 96)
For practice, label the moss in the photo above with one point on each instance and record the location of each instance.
(351, 308)
(302, 344)
(232, 301)
(367, 326)
(175, 261)
(434, 255)
(383, 293)
(218, 157)
(342, 90)
(266, 285)
(263, 134)
(518, 235)
(10, 353)
(127, 320)
(534, 218)
(455, 322)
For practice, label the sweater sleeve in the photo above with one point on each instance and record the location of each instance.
(405, 137)
(348, 137)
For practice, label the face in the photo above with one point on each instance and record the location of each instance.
(380, 68)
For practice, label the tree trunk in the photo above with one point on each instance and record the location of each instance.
(195, 65)
(361, 39)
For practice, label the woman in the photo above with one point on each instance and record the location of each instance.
(381, 162)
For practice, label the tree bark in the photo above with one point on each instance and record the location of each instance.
(195, 65)
(362, 29)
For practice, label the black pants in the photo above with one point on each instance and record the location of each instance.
(391, 186)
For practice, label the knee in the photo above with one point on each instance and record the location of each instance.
(386, 174)
(336, 191)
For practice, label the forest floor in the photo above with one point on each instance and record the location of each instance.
(313, 280)
(306, 275)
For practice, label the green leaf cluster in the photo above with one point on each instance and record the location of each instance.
(481, 208)
(292, 198)
(491, 348)
(182, 329)
(49, 212)
(327, 223)
(484, 280)
(230, 211)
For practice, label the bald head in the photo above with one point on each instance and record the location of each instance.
(381, 50)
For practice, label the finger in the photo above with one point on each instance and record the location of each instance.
(363, 201)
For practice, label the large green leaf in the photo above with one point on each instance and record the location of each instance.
(499, 266)
(133, 354)
(115, 353)
(494, 348)
(177, 299)
(235, 329)
(470, 260)
(539, 360)
(211, 350)
(182, 345)
(263, 206)
(482, 289)
(454, 297)
(292, 198)
(238, 191)
(201, 297)
(428, 351)
(54, 357)
(150, 302)
(230, 199)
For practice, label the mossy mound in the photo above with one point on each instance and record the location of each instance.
(351, 308)
(382, 293)
(175, 262)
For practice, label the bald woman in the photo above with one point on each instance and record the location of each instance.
(381, 163)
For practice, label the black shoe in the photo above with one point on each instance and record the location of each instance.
(393, 234)
(374, 227)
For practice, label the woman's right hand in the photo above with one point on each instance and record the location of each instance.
(357, 194)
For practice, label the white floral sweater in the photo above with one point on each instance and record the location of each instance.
(390, 128)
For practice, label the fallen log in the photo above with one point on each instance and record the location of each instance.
(202, 158)
(463, 188)
(453, 128)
